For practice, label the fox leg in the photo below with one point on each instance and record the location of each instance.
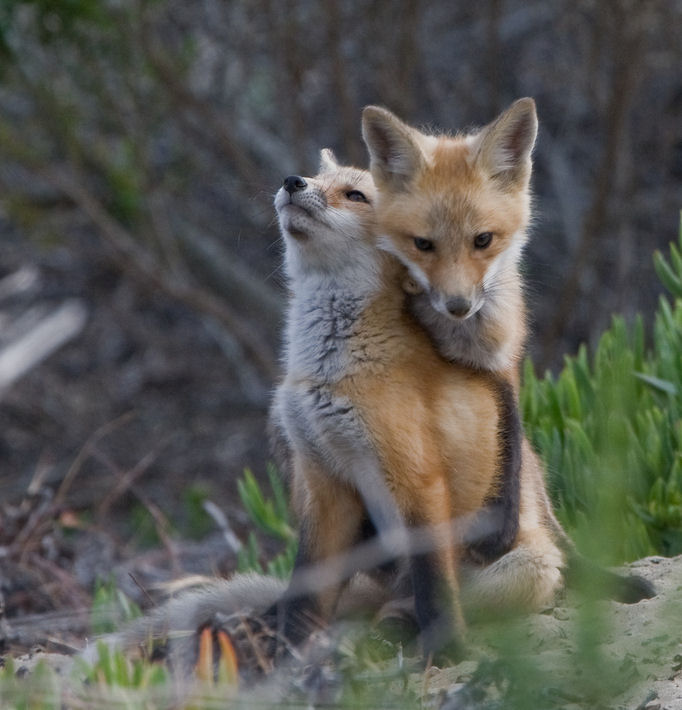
(527, 578)
(325, 427)
(496, 526)
(331, 521)
(433, 563)
(529, 575)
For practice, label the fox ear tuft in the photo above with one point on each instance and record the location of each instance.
(328, 161)
(504, 146)
(395, 156)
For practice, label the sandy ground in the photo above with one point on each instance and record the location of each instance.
(636, 660)
(580, 655)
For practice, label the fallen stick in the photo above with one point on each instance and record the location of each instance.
(48, 335)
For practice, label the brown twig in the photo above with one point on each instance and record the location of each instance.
(86, 451)
(43, 514)
(69, 588)
(126, 481)
(265, 663)
(628, 43)
(187, 103)
(162, 526)
(141, 588)
(347, 108)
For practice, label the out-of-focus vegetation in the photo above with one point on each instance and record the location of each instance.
(155, 133)
(508, 665)
(271, 516)
(609, 427)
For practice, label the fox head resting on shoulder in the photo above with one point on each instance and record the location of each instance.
(454, 211)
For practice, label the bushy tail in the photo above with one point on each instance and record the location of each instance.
(582, 572)
(174, 625)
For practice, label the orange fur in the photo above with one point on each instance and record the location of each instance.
(434, 427)
(449, 190)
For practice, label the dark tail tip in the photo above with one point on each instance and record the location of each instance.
(604, 584)
(632, 589)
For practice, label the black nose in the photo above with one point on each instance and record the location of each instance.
(294, 183)
(458, 306)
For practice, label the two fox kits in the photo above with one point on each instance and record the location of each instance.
(399, 402)
(377, 424)
(380, 425)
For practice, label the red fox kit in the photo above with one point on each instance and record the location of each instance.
(454, 211)
(378, 424)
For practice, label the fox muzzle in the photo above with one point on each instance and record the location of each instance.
(458, 306)
(294, 183)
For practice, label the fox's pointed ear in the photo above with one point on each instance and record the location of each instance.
(395, 156)
(504, 147)
(328, 161)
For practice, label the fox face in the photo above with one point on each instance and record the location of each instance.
(327, 221)
(453, 210)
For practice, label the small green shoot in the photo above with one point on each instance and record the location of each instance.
(271, 516)
(111, 608)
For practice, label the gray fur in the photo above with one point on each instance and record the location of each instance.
(457, 340)
(179, 619)
(334, 276)
(322, 318)
(325, 426)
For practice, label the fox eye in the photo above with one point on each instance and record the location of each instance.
(423, 244)
(356, 196)
(482, 241)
